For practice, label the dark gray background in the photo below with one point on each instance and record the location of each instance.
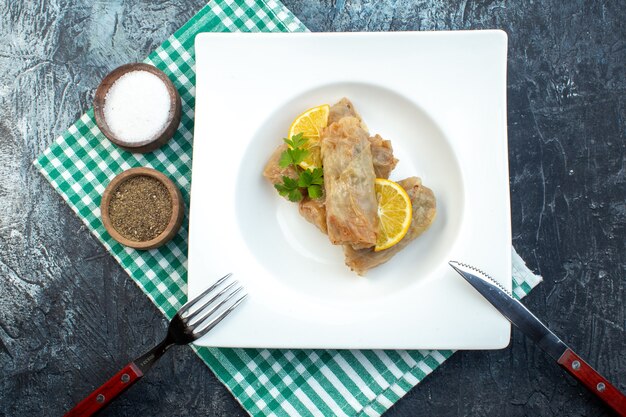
(70, 317)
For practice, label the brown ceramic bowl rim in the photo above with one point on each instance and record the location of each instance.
(173, 118)
(174, 223)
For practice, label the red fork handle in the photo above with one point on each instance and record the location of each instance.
(102, 396)
(595, 382)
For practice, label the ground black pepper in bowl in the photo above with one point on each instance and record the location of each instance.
(140, 208)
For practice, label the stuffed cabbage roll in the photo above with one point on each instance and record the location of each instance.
(382, 156)
(382, 152)
(314, 211)
(274, 172)
(351, 207)
(424, 211)
(344, 108)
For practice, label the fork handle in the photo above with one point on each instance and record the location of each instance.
(100, 397)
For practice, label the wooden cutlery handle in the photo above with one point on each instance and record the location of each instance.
(595, 382)
(100, 397)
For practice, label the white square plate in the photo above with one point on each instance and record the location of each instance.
(440, 97)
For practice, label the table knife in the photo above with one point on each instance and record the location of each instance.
(526, 321)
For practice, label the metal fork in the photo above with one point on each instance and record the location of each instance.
(191, 322)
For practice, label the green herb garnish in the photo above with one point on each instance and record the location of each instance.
(309, 181)
(289, 188)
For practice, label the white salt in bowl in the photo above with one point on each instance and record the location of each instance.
(137, 107)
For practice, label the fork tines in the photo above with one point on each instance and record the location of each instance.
(209, 308)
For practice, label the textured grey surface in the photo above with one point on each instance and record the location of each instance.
(70, 317)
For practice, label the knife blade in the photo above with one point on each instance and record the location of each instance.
(529, 324)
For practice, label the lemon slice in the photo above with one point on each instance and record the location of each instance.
(310, 124)
(394, 213)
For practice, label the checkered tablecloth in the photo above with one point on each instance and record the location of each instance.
(267, 382)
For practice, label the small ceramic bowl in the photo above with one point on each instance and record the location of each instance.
(176, 219)
(173, 119)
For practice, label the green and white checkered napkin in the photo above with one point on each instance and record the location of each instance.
(81, 162)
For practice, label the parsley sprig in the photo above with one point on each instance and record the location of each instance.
(309, 181)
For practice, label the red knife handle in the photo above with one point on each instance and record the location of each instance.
(595, 382)
(99, 398)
